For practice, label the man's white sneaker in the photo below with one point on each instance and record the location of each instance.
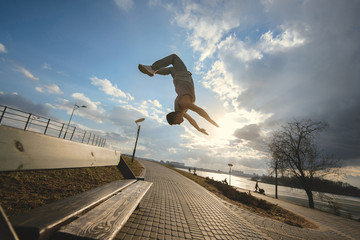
(146, 69)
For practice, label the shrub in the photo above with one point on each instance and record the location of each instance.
(245, 198)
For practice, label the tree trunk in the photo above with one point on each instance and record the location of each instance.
(310, 198)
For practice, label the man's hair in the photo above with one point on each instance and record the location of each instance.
(170, 117)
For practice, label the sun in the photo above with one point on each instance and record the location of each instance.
(228, 125)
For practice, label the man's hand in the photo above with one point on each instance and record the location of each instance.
(194, 124)
(213, 122)
(203, 131)
(185, 102)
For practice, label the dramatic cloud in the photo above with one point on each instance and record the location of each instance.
(206, 24)
(249, 132)
(280, 60)
(21, 103)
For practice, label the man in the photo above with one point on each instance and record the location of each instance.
(184, 87)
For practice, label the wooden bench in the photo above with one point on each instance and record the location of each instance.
(96, 214)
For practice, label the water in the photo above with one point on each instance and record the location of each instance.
(349, 206)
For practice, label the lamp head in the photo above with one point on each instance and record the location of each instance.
(77, 106)
(140, 120)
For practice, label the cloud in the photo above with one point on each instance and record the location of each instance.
(206, 24)
(46, 66)
(21, 103)
(122, 116)
(288, 38)
(240, 49)
(148, 108)
(220, 81)
(93, 109)
(249, 132)
(26, 73)
(83, 100)
(155, 102)
(39, 89)
(125, 5)
(2, 48)
(281, 60)
(53, 88)
(110, 89)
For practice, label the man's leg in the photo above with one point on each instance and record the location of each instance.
(166, 61)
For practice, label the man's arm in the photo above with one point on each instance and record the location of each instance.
(198, 110)
(194, 123)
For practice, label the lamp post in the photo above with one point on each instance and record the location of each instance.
(74, 108)
(276, 179)
(230, 165)
(137, 136)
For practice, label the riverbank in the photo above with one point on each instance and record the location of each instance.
(345, 206)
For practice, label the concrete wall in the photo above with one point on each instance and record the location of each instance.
(21, 149)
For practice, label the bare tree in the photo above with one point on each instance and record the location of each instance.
(295, 153)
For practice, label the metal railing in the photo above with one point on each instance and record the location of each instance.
(36, 123)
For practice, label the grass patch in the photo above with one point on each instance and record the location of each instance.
(21, 191)
(246, 200)
(135, 166)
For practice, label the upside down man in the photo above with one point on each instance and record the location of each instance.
(184, 87)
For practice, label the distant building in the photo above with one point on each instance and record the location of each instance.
(238, 173)
(176, 164)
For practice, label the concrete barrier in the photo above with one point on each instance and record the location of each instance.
(24, 150)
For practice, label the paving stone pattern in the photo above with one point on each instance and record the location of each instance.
(177, 208)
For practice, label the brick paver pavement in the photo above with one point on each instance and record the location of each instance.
(177, 208)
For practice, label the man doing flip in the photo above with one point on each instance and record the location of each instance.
(184, 87)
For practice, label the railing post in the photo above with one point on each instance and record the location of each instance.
(47, 125)
(72, 134)
(83, 137)
(92, 143)
(27, 122)
(62, 127)
(2, 115)
(104, 142)
(89, 138)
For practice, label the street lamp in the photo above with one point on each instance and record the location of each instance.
(75, 107)
(230, 165)
(137, 136)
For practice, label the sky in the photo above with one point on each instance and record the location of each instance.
(256, 65)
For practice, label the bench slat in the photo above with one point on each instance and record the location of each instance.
(32, 226)
(106, 220)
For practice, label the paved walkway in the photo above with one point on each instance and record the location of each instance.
(329, 225)
(177, 208)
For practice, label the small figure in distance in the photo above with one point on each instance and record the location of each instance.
(184, 87)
